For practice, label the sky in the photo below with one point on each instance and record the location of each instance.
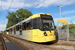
(38, 6)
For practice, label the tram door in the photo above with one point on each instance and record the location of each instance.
(14, 30)
(63, 29)
(20, 30)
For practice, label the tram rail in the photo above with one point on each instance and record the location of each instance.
(61, 45)
(3, 46)
(8, 40)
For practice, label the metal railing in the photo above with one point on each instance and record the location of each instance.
(5, 48)
(72, 32)
(64, 35)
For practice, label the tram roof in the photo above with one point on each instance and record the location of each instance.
(31, 17)
(20, 22)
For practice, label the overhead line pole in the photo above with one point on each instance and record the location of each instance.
(59, 10)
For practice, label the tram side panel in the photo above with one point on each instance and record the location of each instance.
(27, 34)
(35, 37)
(35, 34)
(38, 36)
(12, 33)
(17, 33)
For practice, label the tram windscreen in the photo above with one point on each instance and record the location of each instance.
(48, 23)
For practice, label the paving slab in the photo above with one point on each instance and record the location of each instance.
(12, 46)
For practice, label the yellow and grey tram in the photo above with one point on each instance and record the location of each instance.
(37, 28)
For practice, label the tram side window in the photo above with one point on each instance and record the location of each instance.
(35, 23)
(23, 26)
(31, 24)
(39, 23)
(7, 30)
(20, 26)
(28, 26)
(11, 31)
(17, 28)
(14, 30)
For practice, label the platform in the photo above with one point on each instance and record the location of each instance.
(12, 46)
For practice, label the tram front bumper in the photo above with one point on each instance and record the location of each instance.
(44, 39)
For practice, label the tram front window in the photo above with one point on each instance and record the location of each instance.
(48, 25)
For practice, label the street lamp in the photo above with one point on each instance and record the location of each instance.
(59, 10)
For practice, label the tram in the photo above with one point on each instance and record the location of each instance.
(38, 28)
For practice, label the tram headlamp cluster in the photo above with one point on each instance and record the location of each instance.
(45, 33)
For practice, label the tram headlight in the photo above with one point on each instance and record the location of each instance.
(45, 33)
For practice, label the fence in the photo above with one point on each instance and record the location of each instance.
(63, 34)
(72, 32)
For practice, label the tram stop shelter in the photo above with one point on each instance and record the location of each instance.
(63, 29)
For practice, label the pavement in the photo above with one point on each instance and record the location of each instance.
(12, 46)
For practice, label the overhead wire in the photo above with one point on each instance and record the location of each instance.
(33, 4)
(38, 4)
(1, 8)
(10, 5)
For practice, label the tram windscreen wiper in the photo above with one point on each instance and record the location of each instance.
(51, 28)
(48, 28)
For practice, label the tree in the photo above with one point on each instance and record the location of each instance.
(15, 17)
(23, 14)
(12, 19)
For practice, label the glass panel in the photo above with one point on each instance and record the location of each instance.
(17, 28)
(39, 23)
(24, 26)
(35, 23)
(48, 24)
(28, 26)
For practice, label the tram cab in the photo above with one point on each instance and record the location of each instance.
(43, 28)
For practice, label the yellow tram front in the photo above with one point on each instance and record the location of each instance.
(43, 28)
